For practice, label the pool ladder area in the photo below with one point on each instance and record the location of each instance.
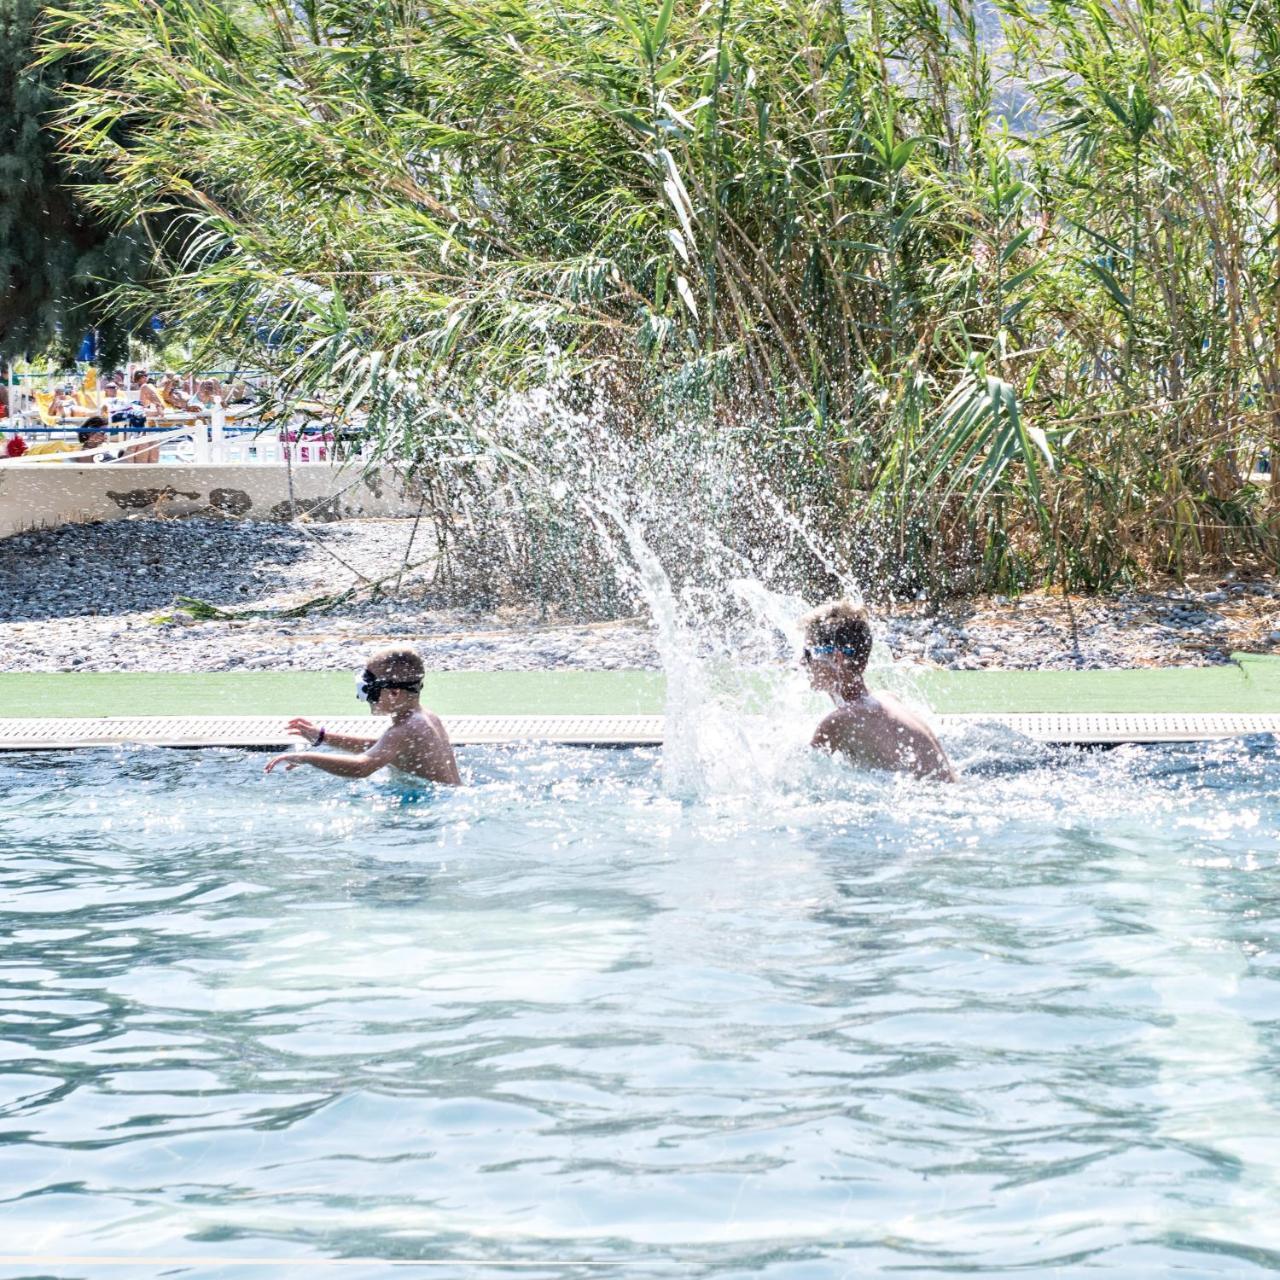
(1075, 729)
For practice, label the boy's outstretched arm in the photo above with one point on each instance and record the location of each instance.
(342, 766)
(342, 741)
(377, 755)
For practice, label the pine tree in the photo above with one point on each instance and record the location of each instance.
(55, 253)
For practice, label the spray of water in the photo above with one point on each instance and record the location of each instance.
(724, 570)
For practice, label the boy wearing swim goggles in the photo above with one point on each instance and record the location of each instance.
(872, 729)
(416, 741)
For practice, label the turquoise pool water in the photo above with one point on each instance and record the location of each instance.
(798, 1027)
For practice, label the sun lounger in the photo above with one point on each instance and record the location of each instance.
(44, 408)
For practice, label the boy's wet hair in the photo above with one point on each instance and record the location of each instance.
(400, 662)
(842, 623)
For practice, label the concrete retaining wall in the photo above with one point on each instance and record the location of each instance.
(58, 493)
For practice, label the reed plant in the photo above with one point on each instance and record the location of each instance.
(988, 293)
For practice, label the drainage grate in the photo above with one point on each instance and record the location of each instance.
(1109, 728)
(585, 730)
(269, 731)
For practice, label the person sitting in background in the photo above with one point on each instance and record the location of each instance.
(63, 402)
(171, 393)
(870, 729)
(147, 399)
(145, 393)
(208, 392)
(118, 412)
(92, 435)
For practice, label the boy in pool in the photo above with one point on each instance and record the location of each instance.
(872, 729)
(415, 743)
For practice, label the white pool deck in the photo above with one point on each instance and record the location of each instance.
(1092, 729)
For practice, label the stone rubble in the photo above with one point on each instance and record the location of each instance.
(100, 598)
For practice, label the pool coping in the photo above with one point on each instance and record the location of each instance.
(264, 732)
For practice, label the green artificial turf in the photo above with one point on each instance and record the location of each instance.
(1250, 683)
(270, 693)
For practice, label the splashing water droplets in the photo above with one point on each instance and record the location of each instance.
(723, 568)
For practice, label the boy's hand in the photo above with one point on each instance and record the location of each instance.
(289, 760)
(304, 729)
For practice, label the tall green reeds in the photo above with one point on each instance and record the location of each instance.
(990, 294)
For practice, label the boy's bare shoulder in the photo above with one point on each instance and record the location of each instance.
(427, 722)
(890, 706)
(863, 711)
(836, 727)
(425, 725)
(420, 745)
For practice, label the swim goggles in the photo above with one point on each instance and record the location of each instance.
(825, 650)
(369, 687)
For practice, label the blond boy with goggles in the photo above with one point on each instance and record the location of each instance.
(871, 729)
(415, 742)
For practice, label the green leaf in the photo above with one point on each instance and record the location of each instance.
(1016, 243)
(978, 434)
(1015, 282)
(633, 121)
(900, 223)
(900, 154)
(663, 22)
(1109, 282)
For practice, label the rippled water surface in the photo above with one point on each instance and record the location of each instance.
(832, 1026)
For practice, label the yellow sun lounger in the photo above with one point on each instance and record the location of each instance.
(44, 407)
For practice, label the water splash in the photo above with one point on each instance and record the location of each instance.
(737, 710)
(725, 571)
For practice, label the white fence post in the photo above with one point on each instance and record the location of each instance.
(218, 431)
(200, 439)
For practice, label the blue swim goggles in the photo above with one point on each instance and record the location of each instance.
(823, 650)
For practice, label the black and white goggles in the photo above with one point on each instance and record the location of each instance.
(369, 687)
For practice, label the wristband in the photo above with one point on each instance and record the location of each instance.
(320, 737)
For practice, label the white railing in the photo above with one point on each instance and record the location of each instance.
(215, 438)
(230, 441)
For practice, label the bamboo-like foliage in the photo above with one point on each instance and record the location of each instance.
(991, 294)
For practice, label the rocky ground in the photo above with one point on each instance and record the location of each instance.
(100, 598)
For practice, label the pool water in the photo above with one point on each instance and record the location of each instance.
(822, 1025)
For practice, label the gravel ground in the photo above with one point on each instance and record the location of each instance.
(99, 597)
